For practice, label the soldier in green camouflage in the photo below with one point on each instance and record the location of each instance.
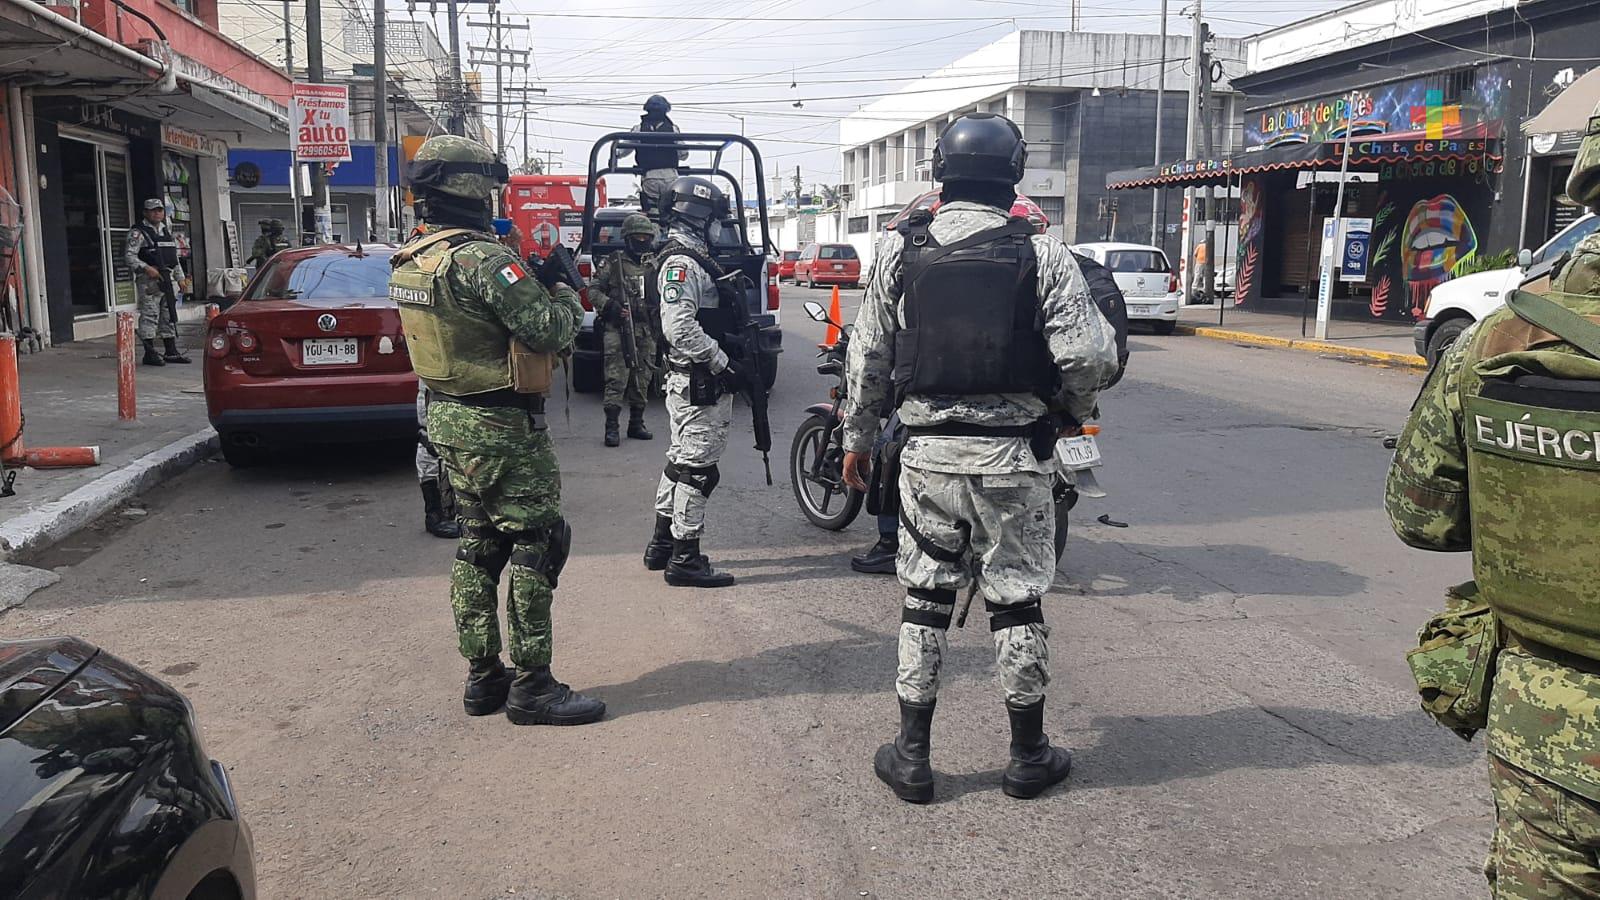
(482, 334)
(268, 243)
(620, 281)
(1502, 457)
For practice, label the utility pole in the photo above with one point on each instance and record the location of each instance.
(1159, 194)
(796, 187)
(457, 120)
(1330, 260)
(319, 171)
(380, 128)
(1192, 149)
(1208, 281)
(298, 222)
(524, 90)
(500, 59)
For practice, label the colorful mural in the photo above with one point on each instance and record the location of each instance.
(1437, 235)
(1417, 107)
(1251, 215)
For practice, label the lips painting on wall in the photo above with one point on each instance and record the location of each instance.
(1437, 235)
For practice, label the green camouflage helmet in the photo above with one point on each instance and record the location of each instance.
(1583, 185)
(638, 223)
(458, 166)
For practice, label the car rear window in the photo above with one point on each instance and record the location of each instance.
(1141, 261)
(837, 251)
(791, 255)
(608, 234)
(324, 276)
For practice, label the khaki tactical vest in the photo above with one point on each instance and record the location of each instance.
(454, 349)
(1530, 410)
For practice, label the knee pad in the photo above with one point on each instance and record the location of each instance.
(928, 617)
(491, 560)
(702, 478)
(1002, 616)
(557, 540)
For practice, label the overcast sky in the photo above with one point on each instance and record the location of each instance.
(722, 58)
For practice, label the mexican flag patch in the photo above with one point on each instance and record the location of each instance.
(509, 275)
(677, 273)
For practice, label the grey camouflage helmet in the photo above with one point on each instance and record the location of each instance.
(1583, 185)
(458, 166)
(638, 223)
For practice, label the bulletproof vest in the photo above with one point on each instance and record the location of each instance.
(972, 319)
(662, 157)
(1530, 410)
(455, 349)
(718, 322)
(160, 247)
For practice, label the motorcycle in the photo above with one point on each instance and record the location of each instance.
(816, 457)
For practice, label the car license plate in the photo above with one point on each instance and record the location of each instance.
(1078, 452)
(328, 351)
(1141, 309)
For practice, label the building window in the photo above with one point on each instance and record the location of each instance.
(897, 149)
(1054, 208)
(857, 224)
(882, 168)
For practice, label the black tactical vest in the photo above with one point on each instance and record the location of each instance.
(662, 157)
(160, 248)
(718, 322)
(972, 318)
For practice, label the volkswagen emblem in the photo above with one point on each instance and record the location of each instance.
(327, 322)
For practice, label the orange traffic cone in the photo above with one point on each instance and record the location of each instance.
(832, 336)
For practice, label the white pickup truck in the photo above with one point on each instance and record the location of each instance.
(1459, 302)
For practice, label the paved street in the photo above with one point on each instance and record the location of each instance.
(1229, 670)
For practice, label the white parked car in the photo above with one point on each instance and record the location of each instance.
(1459, 302)
(1149, 284)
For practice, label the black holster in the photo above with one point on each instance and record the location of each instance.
(705, 388)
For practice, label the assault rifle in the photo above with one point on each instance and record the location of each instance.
(559, 266)
(745, 340)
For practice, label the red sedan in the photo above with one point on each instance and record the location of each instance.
(786, 264)
(313, 353)
(828, 264)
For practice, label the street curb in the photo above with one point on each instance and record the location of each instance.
(1359, 354)
(39, 528)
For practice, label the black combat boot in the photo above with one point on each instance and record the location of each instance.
(612, 438)
(537, 698)
(151, 357)
(433, 517)
(879, 558)
(173, 355)
(487, 684)
(690, 568)
(903, 762)
(658, 552)
(1035, 765)
(636, 429)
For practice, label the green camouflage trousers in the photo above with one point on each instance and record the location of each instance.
(625, 386)
(1008, 541)
(1545, 838)
(503, 502)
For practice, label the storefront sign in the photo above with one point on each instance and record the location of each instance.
(188, 142)
(1433, 106)
(1195, 166)
(1355, 243)
(320, 116)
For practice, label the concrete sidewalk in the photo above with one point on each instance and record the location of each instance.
(69, 398)
(1389, 343)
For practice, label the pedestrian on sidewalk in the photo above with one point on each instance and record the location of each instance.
(483, 336)
(985, 335)
(152, 253)
(1499, 459)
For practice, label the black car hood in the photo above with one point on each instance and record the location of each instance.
(31, 670)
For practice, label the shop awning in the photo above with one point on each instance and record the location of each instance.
(1366, 153)
(1570, 110)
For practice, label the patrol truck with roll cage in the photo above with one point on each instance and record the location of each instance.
(735, 251)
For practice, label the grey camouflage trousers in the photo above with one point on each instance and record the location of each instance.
(653, 190)
(155, 319)
(1006, 523)
(699, 434)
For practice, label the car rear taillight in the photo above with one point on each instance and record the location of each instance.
(1172, 282)
(217, 344)
(244, 340)
(583, 297)
(772, 291)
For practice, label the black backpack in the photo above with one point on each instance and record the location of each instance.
(1103, 288)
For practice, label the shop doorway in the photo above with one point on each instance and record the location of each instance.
(97, 206)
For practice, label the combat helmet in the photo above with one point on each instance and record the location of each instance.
(657, 105)
(637, 224)
(457, 166)
(981, 147)
(1583, 185)
(695, 201)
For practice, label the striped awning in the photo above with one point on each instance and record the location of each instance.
(1366, 153)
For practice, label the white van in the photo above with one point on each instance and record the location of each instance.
(1149, 285)
(1459, 302)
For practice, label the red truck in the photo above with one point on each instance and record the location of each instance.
(548, 209)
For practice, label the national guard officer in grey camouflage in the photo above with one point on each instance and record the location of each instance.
(985, 336)
(153, 255)
(695, 315)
